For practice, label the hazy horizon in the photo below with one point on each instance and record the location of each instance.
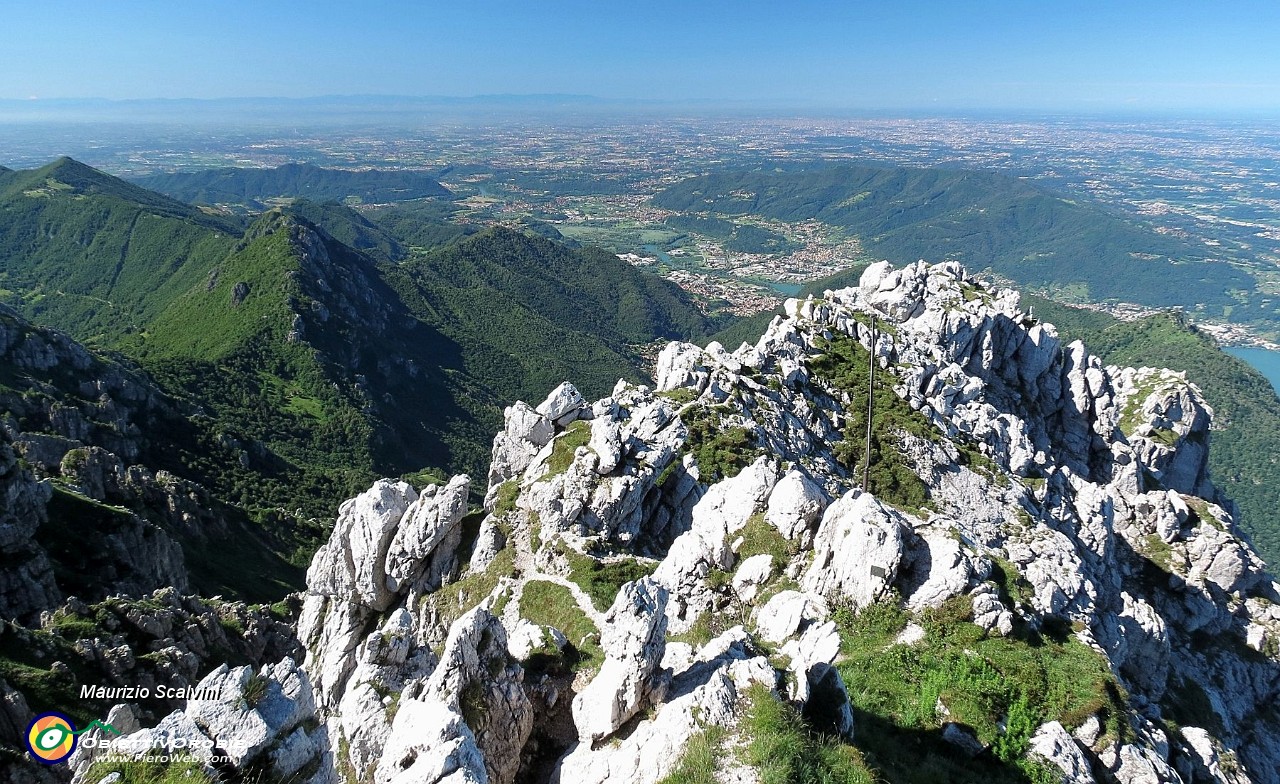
(920, 56)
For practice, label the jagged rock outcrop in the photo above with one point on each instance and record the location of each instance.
(653, 565)
(86, 422)
(633, 637)
(27, 584)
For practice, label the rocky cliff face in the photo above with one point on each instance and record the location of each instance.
(83, 503)
(1035, 557)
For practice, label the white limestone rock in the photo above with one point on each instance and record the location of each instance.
(430, 744)
(430, 523)
(703, 695)
(989, 612)
(681, 365)
(939, 567)
(563, 405)
(857, 550)
(633, 638)
(331, 629)
(175, 733)
(723, 511)
(785, 613)
(795, 507)
(1055, 745)
(1209, 761)
(352, 563)
(254, 710)
(525, 432)
(476, 674)
(752, 573)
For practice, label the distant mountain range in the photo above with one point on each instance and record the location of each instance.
(327, 109)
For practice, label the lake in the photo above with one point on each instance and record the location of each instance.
(1263, 360)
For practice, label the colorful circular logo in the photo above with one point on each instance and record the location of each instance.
(51, 738)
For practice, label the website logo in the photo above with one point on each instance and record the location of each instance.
(51, 737)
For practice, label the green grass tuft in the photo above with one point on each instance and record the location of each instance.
(892, 477)
(721, 452)
(139, 772)
(1002, 688)
(566, 444)
(601, 580)
(550, 604)
(784, 750)
(700, 758)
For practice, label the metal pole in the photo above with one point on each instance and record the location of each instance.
(871, 386)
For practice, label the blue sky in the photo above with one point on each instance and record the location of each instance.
(1077, 56)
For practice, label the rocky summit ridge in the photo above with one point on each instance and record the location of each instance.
(654, 571)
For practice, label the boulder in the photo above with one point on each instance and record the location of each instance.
(795, 507)
(633, 637)
(352, 564)
(563, 405)
(429, 528)
(857, 550)
(430, 744)
(1054, 745)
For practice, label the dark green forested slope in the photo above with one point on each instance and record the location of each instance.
(982, 219)
(350, 228)
(529, 312)
(294, 180)
(1244, 455)
(422, 224)
(96, 256)
(297, 343)
(737, 238)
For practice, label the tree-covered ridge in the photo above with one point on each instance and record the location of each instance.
(737, 238)
(247, 186)
(96, 256)
(422, 224)
(1244, 454)
(529, 313)
(350, 228)
(314, 349)
(981, 219)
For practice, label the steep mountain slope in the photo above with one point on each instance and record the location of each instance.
(1244, 460)
(303, 366)
(254, 187)
(1036, 580)
(95, 256)
(1025, 233)
(529, 312)
(350, 228)
(114, 504)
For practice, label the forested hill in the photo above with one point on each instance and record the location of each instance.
(310, 366)
(247, 186)
(982, 219)
(97, 256)
(529, 313)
